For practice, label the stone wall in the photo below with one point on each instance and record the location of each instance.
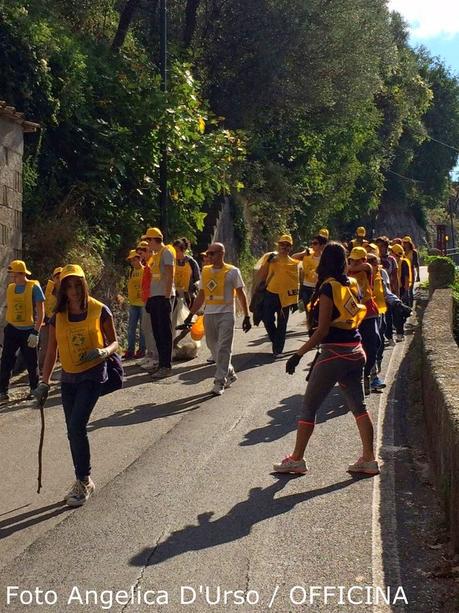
(11, 151)
(440, 378)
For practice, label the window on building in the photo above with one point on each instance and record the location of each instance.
(4, 234)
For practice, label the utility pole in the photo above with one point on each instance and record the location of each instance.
(163, 190)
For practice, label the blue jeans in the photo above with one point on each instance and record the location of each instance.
(78, 400)
(135, 318)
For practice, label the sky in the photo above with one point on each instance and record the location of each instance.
(434, 24)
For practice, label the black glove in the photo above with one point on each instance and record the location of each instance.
(418, 279)
(292, 363)
(246, 325)
(187, 323)
(40, 393)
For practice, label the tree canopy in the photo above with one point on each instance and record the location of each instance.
(310, 112)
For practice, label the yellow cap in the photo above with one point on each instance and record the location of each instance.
(325, 233)
(373, 247)
(407, 239)
(285, 238)
(72, 270)
(153, 233)
(358, 253)
(142, 245)
(361, 231)
(18, 266)
(57, 271)
(132, 254)
(397, 249)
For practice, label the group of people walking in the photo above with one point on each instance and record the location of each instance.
(354, 295)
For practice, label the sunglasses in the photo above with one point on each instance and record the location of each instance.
(211, 253)
(284, 244)
(315, 243)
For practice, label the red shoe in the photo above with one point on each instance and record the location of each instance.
(139, 354)
(129, 355)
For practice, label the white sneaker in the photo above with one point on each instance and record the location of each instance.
(288, 465)
(218, 389)
(391, 342)
(80, 493)
(230, 379)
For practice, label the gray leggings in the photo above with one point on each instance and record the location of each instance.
(336, 364)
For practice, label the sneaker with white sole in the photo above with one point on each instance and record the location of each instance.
(80, 493)
(399, 338)
(366, 468)
(391, 342)
(230, 379)
(289, 465)
(4, 397)
(377, 384)
(218, 388)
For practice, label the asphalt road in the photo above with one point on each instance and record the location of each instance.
(185, 497)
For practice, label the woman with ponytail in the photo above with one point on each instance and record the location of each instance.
(335, 314)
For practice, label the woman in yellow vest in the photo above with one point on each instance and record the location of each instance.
(335, 316)
(404, 272)
(25, 312)
(187, 272)
(280, 274)
(310, 259)
(83, 332)
(412, 256)
(136, 304)
(369, 328)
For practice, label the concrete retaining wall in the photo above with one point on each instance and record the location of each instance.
(440, 374)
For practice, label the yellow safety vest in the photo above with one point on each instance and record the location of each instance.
(213, 284)
(399, 271)
(155, 262)
(310, 263)
(284, 280)
(364, 284)
(409, 257)
(135, 287)
(19, 307)
(345, 299)
(183, 273)
(50, 298)
(378, 289)
(75, 338)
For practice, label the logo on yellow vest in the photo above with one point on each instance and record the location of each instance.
(351, 306)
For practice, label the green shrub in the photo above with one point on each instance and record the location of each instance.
(442, 272)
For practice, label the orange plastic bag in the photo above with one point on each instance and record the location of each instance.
(197, 329)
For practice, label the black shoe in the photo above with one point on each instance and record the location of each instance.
(4, 397)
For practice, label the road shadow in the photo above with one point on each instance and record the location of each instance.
(24, 520)
(236, 524)
(143, 413)
(283, 418)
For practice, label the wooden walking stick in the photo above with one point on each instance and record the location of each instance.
(40, 446)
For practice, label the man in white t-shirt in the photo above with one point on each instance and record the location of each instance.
(219, 284)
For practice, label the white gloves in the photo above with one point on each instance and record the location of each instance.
(32, 340)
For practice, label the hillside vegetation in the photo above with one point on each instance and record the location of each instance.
(309, 113)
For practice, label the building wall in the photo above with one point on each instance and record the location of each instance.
(11, 151)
